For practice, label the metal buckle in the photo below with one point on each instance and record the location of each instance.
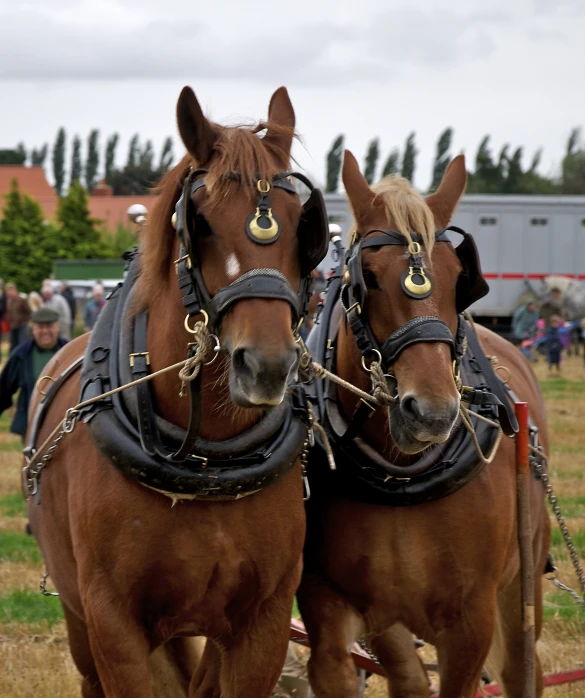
(351, 307)
(467, 393)
(139, 353)
(181, 259)
(204, 461)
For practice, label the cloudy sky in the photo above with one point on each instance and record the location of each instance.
(510, 68)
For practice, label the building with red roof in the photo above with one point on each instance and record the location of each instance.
(103, 205)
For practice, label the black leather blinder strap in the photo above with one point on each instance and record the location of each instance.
(258, 283)
(420, 329)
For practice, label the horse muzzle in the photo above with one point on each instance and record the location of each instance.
(427, 421)
(260, 380)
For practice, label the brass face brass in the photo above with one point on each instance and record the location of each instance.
(261, 233)
(417, 289)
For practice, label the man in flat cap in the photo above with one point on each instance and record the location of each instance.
(26, 364)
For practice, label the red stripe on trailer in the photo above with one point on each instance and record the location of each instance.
(549, 680)
(511, 276)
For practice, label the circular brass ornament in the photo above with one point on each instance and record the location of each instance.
(174, 220)
(266, 233)
(263, 186)
(416, 283)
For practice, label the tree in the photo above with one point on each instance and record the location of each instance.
(166, 156)
(146, 157)
(22, 240)
(442, 157)
(573, 167)
(79, 237)
(93, 160)
(392, 164)
(409, 158)
(133, 151)
(59, 161)
(372, 160)
(16, 156)
(111, 156)
(39, 156)
(76, 161)
(334, 157)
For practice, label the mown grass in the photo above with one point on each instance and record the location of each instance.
(18, 547)
(29, 607)
(12, 505)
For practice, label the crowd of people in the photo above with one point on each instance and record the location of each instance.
(545, 329)
(38, 325)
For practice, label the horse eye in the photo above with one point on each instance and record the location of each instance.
(202, 227)
(370, 279)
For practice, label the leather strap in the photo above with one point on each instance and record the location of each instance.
(427, 328)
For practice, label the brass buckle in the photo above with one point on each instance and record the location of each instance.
(202, 459)
(467, 393)
(182, 259)
(139, 353)
(355, 305)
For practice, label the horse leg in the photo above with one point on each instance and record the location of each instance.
(205, 681)
(119, 646)
(463, 646)
(252, 661)
(398, 656)
(81, 653)
(507, 655)
(333, 626)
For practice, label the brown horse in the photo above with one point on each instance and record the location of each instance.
(133, 572)
(446, 570)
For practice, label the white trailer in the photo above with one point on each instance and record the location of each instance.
(521, 239)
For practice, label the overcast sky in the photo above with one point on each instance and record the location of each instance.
(510, 68)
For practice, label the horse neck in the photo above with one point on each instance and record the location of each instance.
(167, 342)
(376, 429)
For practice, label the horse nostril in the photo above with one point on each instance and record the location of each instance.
(246, 362)
(411, 409)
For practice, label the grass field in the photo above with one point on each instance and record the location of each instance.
(34, 656)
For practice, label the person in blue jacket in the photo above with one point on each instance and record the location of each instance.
(26, 364)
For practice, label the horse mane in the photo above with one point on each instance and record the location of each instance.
(407, 209)
(236, 149)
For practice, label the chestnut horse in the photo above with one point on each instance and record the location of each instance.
(446, 570)
(133, 572)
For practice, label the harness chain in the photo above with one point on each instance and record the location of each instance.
(538, 459)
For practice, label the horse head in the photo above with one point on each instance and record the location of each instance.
(409, 285)
(249, 244)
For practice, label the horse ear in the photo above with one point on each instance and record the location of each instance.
(444, 201)
(196, 131)
(281, 113)
(361, 197)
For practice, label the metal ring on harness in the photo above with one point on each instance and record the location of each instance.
(216, 350)
(378, 359)
(505, 380)
(39, 381)
(205, 320)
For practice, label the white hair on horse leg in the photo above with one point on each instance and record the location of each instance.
(232, 266)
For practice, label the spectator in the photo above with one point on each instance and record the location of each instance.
(26, 364)
(67, 292)
(93, 307)
(524, 322)
(35, 301)
(551, 307)
(59, 305)
(554, 345)
(2, 311)
(17, 315)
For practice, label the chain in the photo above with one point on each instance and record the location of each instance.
(31, 472)
(537, 463)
